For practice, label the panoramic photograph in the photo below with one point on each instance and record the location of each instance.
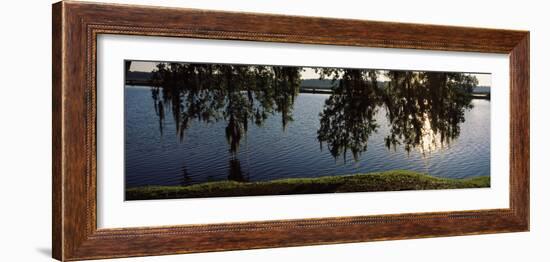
(200, 130)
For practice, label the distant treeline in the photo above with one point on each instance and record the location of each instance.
(144, 78)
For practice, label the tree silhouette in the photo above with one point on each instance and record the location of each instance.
(347, 119)
(425, 109)
(236, 94)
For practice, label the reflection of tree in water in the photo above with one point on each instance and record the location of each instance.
(424, 109)
(235, 94)
(235, 171)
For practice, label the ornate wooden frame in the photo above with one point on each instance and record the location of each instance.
(76, 26)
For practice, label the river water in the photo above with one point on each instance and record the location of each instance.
(158, 157)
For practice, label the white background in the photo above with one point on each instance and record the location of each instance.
(25, 136)
(114, 212)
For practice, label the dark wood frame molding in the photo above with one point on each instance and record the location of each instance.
(76, 26)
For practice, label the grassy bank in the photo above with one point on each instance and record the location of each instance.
(384, 181)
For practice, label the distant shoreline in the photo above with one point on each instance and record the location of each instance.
(307, 89)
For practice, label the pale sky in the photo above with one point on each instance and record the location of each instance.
(308, 73)
(143, 66)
